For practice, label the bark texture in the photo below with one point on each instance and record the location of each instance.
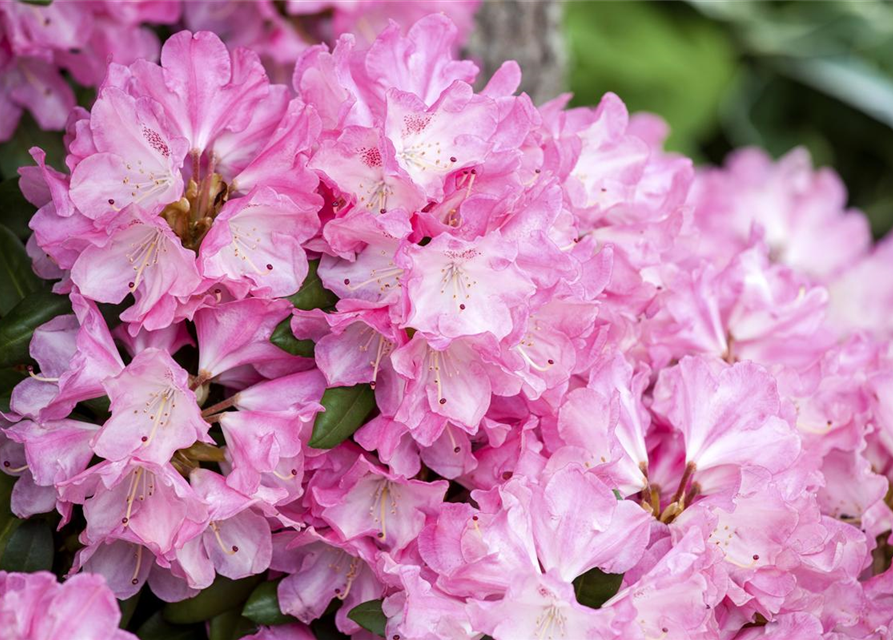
(528, 31)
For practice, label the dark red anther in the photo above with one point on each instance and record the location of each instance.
(235, 549)
(452, 158)
(382, 210)
(506, 475)
(131, 285)
(550, 361)
(443, 401)
(111, 201)
(457, 449)
(144, 439)
(462, 307)
(269, 267)
(347, 281)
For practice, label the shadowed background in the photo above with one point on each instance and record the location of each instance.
(723, 74)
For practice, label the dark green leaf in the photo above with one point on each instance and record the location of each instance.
(313, 295)
(8, 522)
(230, 626)
(99, 407)
(223, 595)
(157, 628)
(346, 409)
(18, 325)
(284, 339)
(369, 616)
(262, 606)
(127, 608)
(30, 548)
(42, 3)
(595, 587)
(9, 378)
(14, 153)
(17, 278)
(15, 211)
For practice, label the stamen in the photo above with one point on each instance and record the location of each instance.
(228, 551)
(40, 378)
(139, 559)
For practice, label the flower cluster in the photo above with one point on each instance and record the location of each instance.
(397, 339)
(38, 44)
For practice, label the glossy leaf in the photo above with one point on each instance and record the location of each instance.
(223, 595)
(346, 411)
(30, 548)
(19, 324)
(17, 278)
(262, 606)
(284, 339)
(369, 616)
(9, 378)
(230, 625)
(8, 522)
(15, 210)
(313, 295)
(595, 587)
(128, 607)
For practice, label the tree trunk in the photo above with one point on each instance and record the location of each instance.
(527, 31)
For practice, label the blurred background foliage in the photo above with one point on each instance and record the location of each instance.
(771, 74)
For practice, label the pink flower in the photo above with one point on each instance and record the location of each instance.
(154, 411)
(33, 606)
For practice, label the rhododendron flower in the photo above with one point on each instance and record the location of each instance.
(421, 359)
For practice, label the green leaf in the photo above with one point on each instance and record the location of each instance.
(30, 548)
(595, 587)
(346, 409)
(128, 607)
(230, 625)
(41, 3)
(17, 278)
(8, 522)
(262, 606)
(369, 616)
(223, 595)
(15, 210)
(14, 153)
(157, 628)
(313, 295)
(284, 339)
(9, 378)
(19, 324)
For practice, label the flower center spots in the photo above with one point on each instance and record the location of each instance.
(371, 157)
(384, 277)
(721, 537)
(414, 123)
(156, 141)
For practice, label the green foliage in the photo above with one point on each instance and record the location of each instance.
(655, 59)
(17, 327)
(346, 410)
(29, 548)
(17, 279)
(224, 594)
(15, 210)
(283, 338)
(369, 616)
(313, 295)
(14, 153)
(595, 587)
(262, 606)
